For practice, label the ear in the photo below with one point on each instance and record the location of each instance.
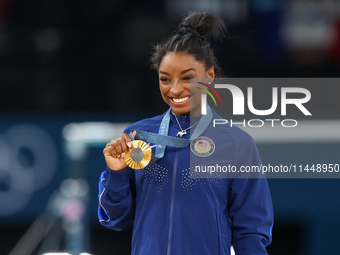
(211, 72)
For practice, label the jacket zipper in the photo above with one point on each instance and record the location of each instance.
(172, 205)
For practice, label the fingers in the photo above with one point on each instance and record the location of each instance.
(127, 140)
(117, 147)
(109, 151)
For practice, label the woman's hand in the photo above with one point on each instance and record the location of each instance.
(114, 152)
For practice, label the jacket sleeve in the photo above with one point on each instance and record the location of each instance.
(250, 205)
(116, 199)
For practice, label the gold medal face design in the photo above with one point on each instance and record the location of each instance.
(139, 155)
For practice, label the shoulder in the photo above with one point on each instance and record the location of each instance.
(149, 124)
(237, 134)
(224, 129)
(241, 145)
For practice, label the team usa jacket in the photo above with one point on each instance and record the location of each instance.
(174, 213)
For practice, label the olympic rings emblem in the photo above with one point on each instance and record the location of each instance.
(28, 162)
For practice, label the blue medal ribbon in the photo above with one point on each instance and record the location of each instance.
(162, 139)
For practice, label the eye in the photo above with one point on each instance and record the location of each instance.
(164, 79)
(188, 78)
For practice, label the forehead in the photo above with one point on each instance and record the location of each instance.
(179, 61)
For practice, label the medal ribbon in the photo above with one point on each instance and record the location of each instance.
(162, 139)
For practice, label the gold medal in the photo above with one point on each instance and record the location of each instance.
(138, 155)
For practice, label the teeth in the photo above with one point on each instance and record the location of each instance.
(179, 100)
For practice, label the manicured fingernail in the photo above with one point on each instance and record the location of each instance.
(129, 144)
(123, 154)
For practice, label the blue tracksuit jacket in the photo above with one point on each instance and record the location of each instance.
(173, 213)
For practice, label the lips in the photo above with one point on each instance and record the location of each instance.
(180, 100)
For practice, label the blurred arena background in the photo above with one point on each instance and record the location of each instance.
(76, 61)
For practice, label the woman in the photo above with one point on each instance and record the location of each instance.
(171, 212)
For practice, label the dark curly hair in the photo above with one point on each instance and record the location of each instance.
(191, 37)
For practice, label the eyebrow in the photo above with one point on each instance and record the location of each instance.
(185, 71)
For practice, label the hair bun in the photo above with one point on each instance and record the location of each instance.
(187, 30)
(205, 24)
(190, 37)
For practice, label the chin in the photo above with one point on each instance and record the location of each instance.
(180, 111)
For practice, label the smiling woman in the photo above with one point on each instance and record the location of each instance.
(172, 212)
(186, 55)
(175, 72)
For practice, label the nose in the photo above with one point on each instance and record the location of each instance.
(176, 88)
